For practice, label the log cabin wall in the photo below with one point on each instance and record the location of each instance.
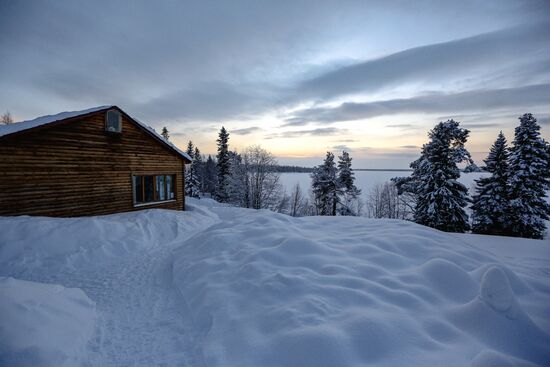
(76, 168)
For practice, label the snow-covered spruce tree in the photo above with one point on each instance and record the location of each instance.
(190, 149)
(238, 192)
(529, 180)
(440, 198)
(324, 185)
(165, 134)
(490, 203)
(191, 181)
(349, 202)
(210, 176)
(472, 167)
(199, 168)
(223, 165)
(188, 167)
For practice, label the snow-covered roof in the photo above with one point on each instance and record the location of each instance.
(48, 119)
(44, 120)
(167, 142)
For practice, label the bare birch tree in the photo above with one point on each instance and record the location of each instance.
(263, 181)
(384, 202)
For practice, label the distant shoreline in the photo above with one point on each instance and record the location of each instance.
(307, 170)
(282, 168)
(384, 169)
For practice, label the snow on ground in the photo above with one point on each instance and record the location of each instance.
(123, 263)
(221, 286)
(43, 324)
(270, 290)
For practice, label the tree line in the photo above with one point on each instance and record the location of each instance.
(509, 201)
(251, 179)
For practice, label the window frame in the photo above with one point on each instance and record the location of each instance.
(107, 122)
(155, 188)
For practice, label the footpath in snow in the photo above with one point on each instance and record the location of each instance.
(220, 286)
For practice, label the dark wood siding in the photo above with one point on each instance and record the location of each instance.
(76, 168)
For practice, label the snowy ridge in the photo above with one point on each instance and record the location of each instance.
(223, 286)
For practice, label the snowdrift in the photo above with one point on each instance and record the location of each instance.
(43, 324)
(221, 286)
(38, 247)
(270, 290)
(96, 266)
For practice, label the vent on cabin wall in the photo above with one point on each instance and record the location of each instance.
(113, 121)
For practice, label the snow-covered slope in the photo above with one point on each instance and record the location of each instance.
(43, 324)
(122, 262)
(220, 286)
(270, 290)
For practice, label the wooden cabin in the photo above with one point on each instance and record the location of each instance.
(91, 162)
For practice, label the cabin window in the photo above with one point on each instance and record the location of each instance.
(153, 188)
(161, 189)
(138, 189)
(149, 188)
(113, 121)
(170, 187)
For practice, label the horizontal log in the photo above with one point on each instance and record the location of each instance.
(77, 168)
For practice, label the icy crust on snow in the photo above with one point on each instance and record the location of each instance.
(269, 290)
(43, 324)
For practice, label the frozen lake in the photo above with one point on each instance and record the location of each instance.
(366, 180)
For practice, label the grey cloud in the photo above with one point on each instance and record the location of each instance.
(409, 146)
(293, 121)
(464, 57)
(326, 131)
(480, 125)
(400, 126)
(183, 60)
(543, 119)
(342, 147)
(485, 100)
(212, 101)
(246, 131)
(195, 61)
(404, 127)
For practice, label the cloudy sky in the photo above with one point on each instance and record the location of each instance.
(297, 77)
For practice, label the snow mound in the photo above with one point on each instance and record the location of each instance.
(33, 246)
(265, 289)
(43, 324)
(497, 293)
(223, 286)
(497, 320)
